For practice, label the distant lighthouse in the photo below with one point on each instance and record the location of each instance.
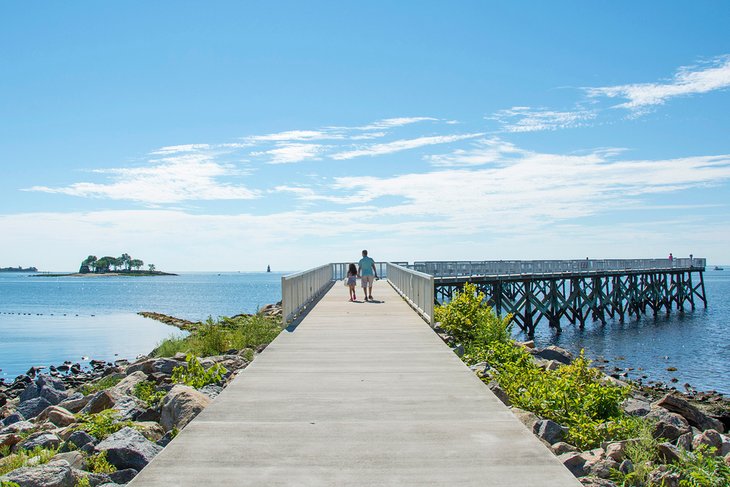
(268, 268)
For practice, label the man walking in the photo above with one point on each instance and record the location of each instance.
(368, 274)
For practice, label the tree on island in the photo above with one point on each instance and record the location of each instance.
(125, 262)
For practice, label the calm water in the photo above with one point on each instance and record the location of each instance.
(46, 320)
(696, 343)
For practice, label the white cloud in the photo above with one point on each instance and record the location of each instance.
(484, 151)
(189, 177)
(400, 145)
(295, 135)
(289, 153)
(387, 123)
(527, 119)
(689, 80)
(175, 149)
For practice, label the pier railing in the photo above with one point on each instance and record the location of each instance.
(339, 269)
(416, 287)
(510, 267)
(300, 289)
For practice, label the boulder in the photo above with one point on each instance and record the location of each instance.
(166, 439)
(13, 418)
(165, 365)
(127, 448)
(596, 482)
(19, 427)
(694, 416)
(561, 447)
(711, 438)
(664, 477)
(79, 439)
(100, 401)
(616, 450)
(668, 453)
(528, 418)
(126, 386)
(573, 461)
(499, 392)
(601, 468)
(180, 406)
(94, 479)
(52, 474)
(549, 431)
(33, 407)
(554, 353)
(636, 407)
(57, 415)
(150, 430)
(211, 390)
(626, 467)
(129, 407)
(74, 458)
(10, 439)
(42, 439)
(145, 365)
(685, 441)
(669, 426)
(76, 402)
(123, 476)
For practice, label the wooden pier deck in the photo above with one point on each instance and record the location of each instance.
(358, 394)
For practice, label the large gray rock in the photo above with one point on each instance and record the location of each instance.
(123, 476)
(211, 390)
(33, 407)
(51, 389)
(52, 474)
(127, 448)
(554, 353)
(76, 402)
(165, 365)
(180, 406)
(694, 416)
(711, 438)
(549, 431)
(574, 462)
(602, 468)
(79, 439)
(146, 365)
(19, 427)
(664, 477)
(669, 426)
(126, 386)
(636, 407)
(685, 441)
(130, 408)
(13, 418)
(100, 401)
(57, 415)
(43, 439)
(668, 453)
(561, 447)
(74, 458)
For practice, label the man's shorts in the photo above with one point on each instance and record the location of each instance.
(367, 281)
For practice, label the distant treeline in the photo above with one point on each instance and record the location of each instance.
(18, 269)
(123, 263)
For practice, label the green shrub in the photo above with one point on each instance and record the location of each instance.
(21, 457)
(4, 483)
(702, 468)
(147, 392)
(83, 482)
(100, 385)
(215, 338)
(102, 424)
(99, 464)
(4, 450)
(643, 454)
(468, 320)
(195, 375)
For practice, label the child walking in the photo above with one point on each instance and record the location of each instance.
(352, 281)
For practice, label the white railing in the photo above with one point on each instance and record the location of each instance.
(300, 289)
(339, 269)
(416, 287)
(509, 267)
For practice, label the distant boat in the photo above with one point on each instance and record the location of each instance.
(268, 268)
(718, 268)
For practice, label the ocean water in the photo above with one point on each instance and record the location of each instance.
(46, 320)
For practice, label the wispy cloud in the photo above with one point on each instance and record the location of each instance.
(689, 80)
(296, 135)
(400, 145)
(289, 153)
(387, 123)
(527, 119)
(163, 181)
(175, 149)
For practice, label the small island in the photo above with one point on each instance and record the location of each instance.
(18, 269)
(124, 265)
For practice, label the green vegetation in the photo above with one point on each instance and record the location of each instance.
(147, 392)
(100, 385)
(22, 457)
(3, 483)
(702, 468)
(99, 464)
(107, 263)
(576, 395)
(217, 337)
(193, 374)
(643, 454)
(102, 424)
(83, 482)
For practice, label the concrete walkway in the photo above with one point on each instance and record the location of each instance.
(359, 394)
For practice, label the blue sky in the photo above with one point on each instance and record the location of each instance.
(232, 135)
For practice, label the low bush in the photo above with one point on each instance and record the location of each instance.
(193, 374)
(702, 468)
(102, 424)
(217, 337)
(21, 458)
(99, 464)
(100, 385)
(147, 392)
(470, 322)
